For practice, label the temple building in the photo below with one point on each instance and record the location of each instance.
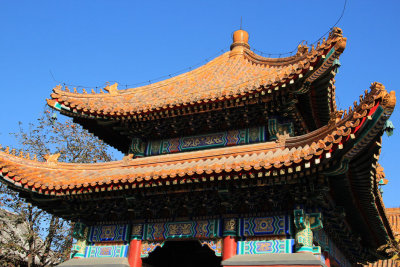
(244, 161)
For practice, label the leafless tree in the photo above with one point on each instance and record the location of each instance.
(29, 236)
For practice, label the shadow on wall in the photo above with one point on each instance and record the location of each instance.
(182, 254)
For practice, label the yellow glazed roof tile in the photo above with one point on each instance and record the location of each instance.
(234, 74)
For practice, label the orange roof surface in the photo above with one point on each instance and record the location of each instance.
(394, 218)
(288, 154)
(385, 263)
(232, 75)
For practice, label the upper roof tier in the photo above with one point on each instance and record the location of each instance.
(232, 75)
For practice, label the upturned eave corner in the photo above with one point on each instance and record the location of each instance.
(341, 42)
(51, 102)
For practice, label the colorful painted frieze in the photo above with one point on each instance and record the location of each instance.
(275, 128)
(220, 139)
(265, 246)
(106, 251)
(116, 232)
(214, 245)
(148, 247)
(230, 227)
(205, 229)
(264, 226)
(137, 147)
(195, 229)
(137, 231)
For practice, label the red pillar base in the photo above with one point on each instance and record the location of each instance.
(135, 248)
(327, 259)
(229, 247)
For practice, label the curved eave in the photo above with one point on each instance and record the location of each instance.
(286, 156)
(319, 102)
(355, 184)
(230, 76)
(356, 190)
(362, 178)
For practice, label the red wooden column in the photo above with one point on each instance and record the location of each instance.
(135, 248)
(327, 259)
(229, 243)
(229, 247)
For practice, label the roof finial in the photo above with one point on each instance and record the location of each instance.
(240, 22)
(112, 89)
(240, 40)
(52, 158)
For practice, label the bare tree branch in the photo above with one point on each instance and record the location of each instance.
(28, 234)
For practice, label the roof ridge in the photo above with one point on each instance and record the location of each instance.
(155, 85)
(249, 55)
(227, 77)
(28, 159)
(21, 154)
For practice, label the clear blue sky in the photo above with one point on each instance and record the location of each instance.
(91, 42)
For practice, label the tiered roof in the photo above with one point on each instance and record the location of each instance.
(337, 151)
(332, 150)
(288, 154)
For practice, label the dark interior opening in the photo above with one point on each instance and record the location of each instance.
(182, 254)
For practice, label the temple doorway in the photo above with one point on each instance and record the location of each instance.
(182, 254)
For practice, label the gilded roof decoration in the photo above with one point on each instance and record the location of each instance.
(52, 158)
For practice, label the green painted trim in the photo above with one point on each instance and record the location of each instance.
(329, 53)
(343, 164)
(370, 124)
(206, 141)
